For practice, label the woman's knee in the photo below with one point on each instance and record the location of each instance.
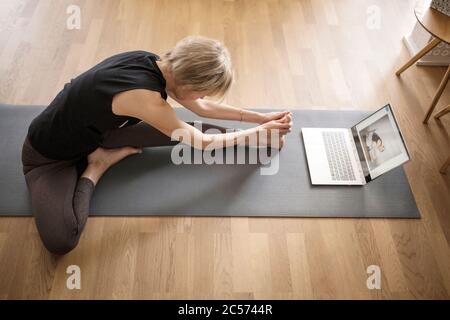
(60, 246)
(58, 236)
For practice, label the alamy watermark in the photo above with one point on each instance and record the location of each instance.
(262, 147)
(74, 280)
(74, 19)
(374, 280)
(373, 21)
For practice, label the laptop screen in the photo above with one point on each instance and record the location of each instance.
(379, 143)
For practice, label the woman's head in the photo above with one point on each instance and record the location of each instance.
(199, 67)
(378, 142)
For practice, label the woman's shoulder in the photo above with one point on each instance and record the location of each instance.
(129, 70)
(125, 58)
(138, 53)
(135, 54)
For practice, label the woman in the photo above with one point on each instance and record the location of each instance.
(112, 111)
(375, 145)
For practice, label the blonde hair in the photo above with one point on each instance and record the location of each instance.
(202, 63)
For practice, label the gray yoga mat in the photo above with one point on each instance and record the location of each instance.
(150, 184)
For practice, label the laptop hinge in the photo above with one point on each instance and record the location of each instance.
(362, 178)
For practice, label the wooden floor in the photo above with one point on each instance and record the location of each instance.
(311, 54)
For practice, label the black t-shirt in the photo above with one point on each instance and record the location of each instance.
(73, 124)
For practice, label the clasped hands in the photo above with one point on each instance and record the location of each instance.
(272, 123)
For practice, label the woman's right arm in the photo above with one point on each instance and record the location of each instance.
(151, 108)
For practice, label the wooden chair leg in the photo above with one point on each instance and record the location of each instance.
(442, 112)
(445, 166)
(437, 95)
(433, 43)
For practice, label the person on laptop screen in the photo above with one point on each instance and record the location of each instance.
(381, 142)
(374, 145)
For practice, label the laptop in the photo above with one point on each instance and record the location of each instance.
(356, 155)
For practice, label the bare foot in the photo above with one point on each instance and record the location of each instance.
(102, 159)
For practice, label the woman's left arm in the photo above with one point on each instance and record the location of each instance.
(214, 110)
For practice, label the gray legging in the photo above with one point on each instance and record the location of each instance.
(60, 199)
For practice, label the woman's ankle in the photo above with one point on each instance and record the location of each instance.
(94, 171)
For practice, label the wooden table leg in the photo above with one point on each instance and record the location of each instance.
(445, 166)
(442, 112)
(437, 95)
(433, 43)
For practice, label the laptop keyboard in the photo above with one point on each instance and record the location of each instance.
(338, 156)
